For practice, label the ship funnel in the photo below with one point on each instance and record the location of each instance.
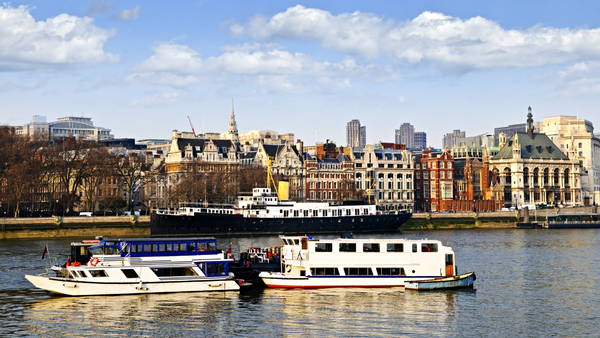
(284, 190)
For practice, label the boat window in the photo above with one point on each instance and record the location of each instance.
(72, 275)
(323, 247)
(174, 272)
(305, 213)
(296, 213)
(358, 271)
(370, 247)
(130, 273)
(83, 274)
(180, 247)
(191, 246)
(164, 247)
(315, 213)
(296, 241)
(98, 273)
(356, 212)
(391, 272)
(201, 246)
(213, 269)
(395, 247)
(324, 272)
(348, 211)
(347, 247)
(414, 248)
(211, 246)
(429, 247)
(324, 213)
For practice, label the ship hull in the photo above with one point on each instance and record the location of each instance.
(215, 224)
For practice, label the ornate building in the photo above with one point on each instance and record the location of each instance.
(286, 160)
(386, 175)
(330, 178)
(533, 170)
(434, 180)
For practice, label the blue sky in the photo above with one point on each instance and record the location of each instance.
(141, 67)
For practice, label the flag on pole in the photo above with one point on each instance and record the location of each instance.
(45, 251)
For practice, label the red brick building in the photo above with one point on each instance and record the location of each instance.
(433, 180)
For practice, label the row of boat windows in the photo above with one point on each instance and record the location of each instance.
(375, 247)
(357, 271)
(211, 269)
(324, 213)
(212, 211)
(172, 247)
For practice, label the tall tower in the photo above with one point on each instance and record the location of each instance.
(356, 135)
(232, 131)
(530, 127)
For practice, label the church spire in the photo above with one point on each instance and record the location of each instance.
(232, 131)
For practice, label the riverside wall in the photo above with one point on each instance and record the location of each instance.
(76, 227)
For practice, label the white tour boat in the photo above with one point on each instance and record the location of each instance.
(348, 262)
(141, 265)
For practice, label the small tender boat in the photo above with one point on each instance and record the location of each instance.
(453, 282)
(349, 262)
(140, 265)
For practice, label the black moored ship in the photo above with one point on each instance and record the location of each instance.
(263, 214)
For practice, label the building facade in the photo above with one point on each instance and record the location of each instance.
(65, 126)
(531, 169)
(386, 176)
(329, 179)
(420, 140)
(405, 135)
(434, 180)
(356, 135)
(572, 134)
(451, 139)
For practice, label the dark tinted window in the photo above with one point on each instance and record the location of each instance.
(323, 247)
(395, 247)
(130, 273)
(348, 247)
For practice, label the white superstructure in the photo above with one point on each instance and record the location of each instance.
(134, 266)
(348, 262)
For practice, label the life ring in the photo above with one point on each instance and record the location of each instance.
(189, 214)
(289, 268)
(94, 261)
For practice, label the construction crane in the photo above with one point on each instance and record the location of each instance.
(192, 126)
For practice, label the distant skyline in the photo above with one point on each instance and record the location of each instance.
(141, 67)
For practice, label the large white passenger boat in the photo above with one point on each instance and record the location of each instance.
(348, 262)
(142, 265)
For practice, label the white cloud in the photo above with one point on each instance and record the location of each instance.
(100, 7)
(472, 43)
(179, 66)
(128, 14)
(63, 40)
(580, 79)
(158, 99)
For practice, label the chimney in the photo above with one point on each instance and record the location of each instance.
(148, 157)
(157, 160)
(300, 146)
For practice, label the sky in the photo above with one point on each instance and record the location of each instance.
(140, 68)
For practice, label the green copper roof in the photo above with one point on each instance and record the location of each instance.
(538, 147)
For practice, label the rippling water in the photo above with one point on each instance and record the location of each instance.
(530, 283)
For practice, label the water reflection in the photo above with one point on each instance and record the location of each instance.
(268, 312)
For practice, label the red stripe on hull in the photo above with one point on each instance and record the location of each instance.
(332, 286)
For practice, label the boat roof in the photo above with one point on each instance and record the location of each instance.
(361, 239)
(156, 239)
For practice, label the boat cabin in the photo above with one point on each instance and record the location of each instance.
(305, 256)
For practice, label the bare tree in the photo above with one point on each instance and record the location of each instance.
(129, 167)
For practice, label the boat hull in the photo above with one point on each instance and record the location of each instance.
(589, 225)
(83, 288)
(215, 224)
(455, 282)
(274, 280)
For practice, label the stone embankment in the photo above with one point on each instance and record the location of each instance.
(498, 219)
(77, 227)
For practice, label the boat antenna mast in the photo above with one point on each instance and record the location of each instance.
(193, 131)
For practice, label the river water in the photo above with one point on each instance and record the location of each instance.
(530, 283)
